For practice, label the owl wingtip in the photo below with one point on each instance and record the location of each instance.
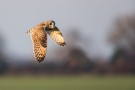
(39, 61)
(63, 44)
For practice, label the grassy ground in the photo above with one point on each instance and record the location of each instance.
(67, 83)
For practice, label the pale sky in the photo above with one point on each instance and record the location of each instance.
(93, 18)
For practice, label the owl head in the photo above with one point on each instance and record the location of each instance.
(49, 25)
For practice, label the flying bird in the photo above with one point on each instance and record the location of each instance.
(38, 36)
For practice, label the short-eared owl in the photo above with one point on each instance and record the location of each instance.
(38, 36)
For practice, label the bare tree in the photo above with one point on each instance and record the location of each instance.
(3, 64)
(123, 38)
(123, 33)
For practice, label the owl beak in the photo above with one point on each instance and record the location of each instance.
(52, 26)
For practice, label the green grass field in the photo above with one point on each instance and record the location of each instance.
(67, 83)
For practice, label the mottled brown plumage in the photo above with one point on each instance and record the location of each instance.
(39, 38)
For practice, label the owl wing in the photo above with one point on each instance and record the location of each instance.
(57, 36)
(39, 39)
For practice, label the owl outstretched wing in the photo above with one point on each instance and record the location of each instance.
(39, 40)
(57, 36)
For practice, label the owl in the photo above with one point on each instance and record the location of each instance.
(38, 36)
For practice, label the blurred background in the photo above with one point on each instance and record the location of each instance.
(100, 51)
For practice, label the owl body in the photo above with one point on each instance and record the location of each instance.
(38, 36)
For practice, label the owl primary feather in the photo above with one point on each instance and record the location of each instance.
(38, 36)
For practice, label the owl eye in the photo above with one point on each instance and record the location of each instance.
(50, 23)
